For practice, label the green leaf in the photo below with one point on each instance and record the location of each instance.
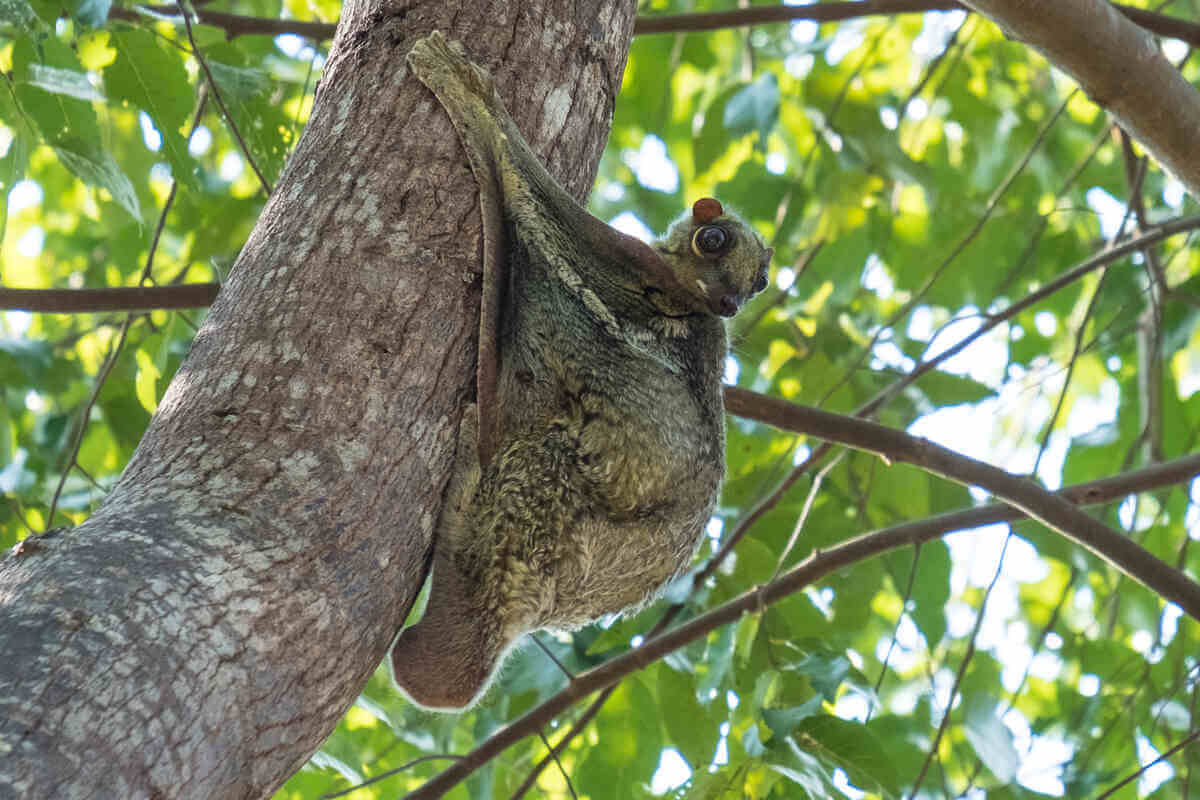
(15, 159)
(92, 13)
(240, 82)
(51, 432)
(23, 358)
(717, 660)
(58, 116)
(714, 138)
(6, 451)
(146, 383)
(630, 727)
(64, 81)
(991, 738)
(754, 108)
(147, 76)
(930, 587)
(945, 389)
(689, 728)
(824, 670)
(19, 14)
(851, 746)
(782, 721)
(96, 167)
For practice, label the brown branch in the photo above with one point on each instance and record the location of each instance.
(116, 298)
(1039, 503)
(240, 25)
(1160, 24)
(232, 24)
(816, 566)
(197, 295)
(766, 15)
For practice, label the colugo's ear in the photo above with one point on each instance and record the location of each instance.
(705, 210)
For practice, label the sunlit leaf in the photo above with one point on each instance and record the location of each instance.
(96, 167)
(146, 76)
(753, 108)
(92, 13)
(64, 81)
(993, 742)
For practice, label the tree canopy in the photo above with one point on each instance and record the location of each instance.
(967, 247)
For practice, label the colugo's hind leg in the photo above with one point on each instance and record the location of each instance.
(444, 661)
(467, 94)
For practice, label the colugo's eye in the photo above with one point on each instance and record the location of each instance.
(711, 240)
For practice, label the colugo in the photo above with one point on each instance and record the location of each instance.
(591, 463)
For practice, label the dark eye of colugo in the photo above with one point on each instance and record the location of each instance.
(710, 240)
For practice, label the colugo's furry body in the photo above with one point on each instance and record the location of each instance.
(585, 478)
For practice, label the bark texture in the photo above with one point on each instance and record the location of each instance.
(202, 633)
(1120, 67)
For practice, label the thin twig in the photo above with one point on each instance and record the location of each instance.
(576, 728)
(961, 672)
(111, 360)
(212, 84)
(312, 62)
(82, 425)
(385, 775)
(554, 755)
(887, 657)
(1191, 737)
(550, 655)
(963, 243)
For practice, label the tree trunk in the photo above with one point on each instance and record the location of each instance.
(202, 633)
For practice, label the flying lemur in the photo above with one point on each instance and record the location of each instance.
(589, 466)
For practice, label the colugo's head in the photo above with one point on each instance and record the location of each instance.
(717, 258)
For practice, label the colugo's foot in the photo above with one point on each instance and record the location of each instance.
(443, 66)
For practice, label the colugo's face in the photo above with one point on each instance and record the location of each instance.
(718, 257)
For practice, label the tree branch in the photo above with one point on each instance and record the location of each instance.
(240, 25)
(1041, 504)
(232, 24)
(816, 566)
(117, 298)
(1121, 68)
(196, 295)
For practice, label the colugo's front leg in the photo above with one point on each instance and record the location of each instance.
(467, 94)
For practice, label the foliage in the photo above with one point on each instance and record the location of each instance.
(917, 174)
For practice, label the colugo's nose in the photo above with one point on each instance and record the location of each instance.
(727, 306)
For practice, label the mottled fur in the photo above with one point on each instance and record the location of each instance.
(586, 486)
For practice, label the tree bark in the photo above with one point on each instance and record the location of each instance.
(202, 633)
